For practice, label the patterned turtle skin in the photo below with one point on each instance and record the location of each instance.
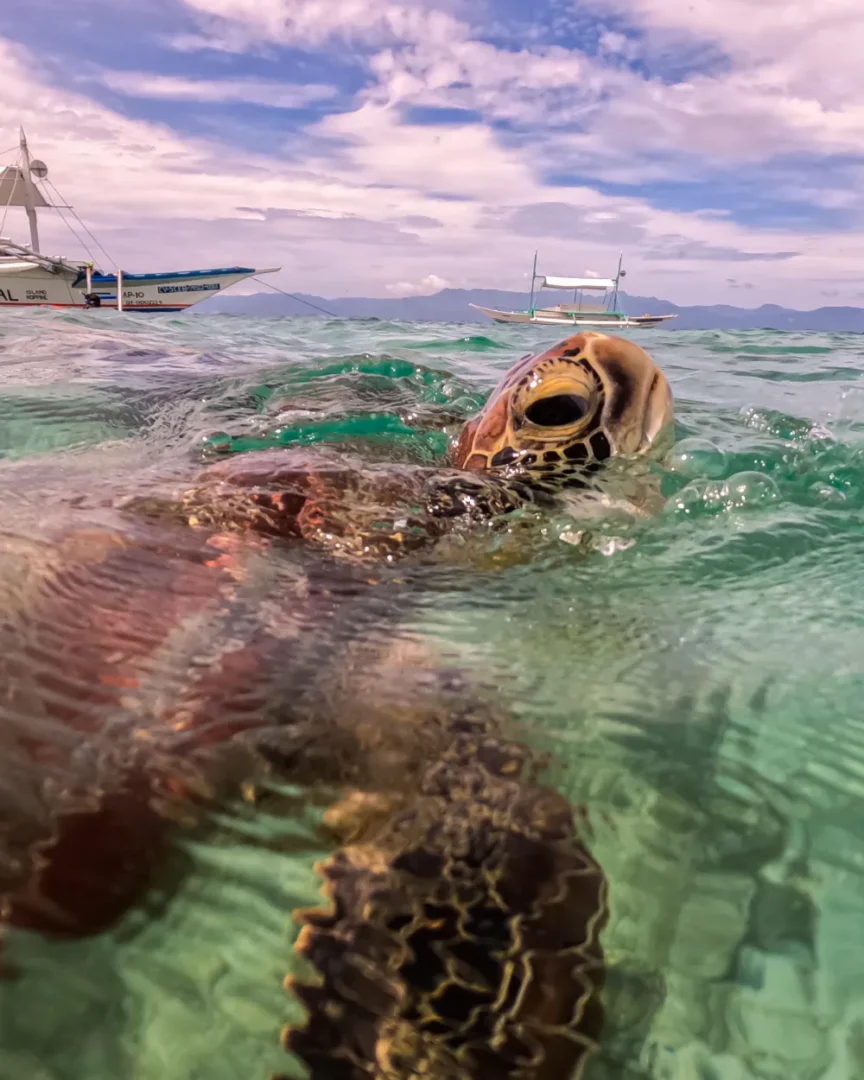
(460, 935)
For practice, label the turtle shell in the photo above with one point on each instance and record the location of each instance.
(461, 939)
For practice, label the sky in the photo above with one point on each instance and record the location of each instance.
(396, 147)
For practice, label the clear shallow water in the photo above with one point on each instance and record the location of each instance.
(697, 679)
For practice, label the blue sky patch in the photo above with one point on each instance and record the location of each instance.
(430, 115)
(595, 31)
(752, 196)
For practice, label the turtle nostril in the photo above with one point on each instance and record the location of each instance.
(559, 410)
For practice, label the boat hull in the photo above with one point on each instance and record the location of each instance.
(593, 321)
(35, 286)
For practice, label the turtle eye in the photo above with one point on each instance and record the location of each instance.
(559, 410)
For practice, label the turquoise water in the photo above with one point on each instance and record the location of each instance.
(697, 679)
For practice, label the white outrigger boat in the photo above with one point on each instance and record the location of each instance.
(586, 316)
(28, 278)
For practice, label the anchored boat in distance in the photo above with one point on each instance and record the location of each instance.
(586, 316)
(28, 278)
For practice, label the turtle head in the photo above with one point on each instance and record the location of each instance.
(583, 401)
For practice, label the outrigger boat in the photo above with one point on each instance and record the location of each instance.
(29, 278)
(586, 316)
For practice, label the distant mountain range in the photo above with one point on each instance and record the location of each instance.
(451, 305)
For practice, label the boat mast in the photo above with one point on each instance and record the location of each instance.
(533, 279)
(617, 280)
(29, 199)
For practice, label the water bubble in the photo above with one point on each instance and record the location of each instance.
(219, 442)
(843, 478)
(790, 429)
(698, 497)
(714, 496)
(610, 545)
(826, 493)
(820, 433)
(754, 418)
(746, 489)
(696, 458)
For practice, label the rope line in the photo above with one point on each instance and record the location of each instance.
(299, 299)
(11, 192)
(71, 209)
(78, 239)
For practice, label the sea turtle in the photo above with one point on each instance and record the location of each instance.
(461, 935)
(545, 433)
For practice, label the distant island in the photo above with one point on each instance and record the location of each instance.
(451, 305)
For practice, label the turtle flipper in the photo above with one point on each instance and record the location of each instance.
(461, 935)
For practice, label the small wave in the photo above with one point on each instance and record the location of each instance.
(363, 428)
(470, 343)
(771, 350)
(823, 374)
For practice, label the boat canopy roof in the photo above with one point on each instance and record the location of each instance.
(12, 188)
(577, 283)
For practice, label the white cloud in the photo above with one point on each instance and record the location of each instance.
(425, 287)
(796, 81)
(463, 160)
(253, 91)
(736, 118)
(548, 85)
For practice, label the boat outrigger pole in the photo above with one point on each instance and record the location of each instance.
(45, 261)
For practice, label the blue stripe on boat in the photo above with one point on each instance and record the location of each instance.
(173, 275)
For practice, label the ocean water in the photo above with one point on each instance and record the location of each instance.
(697, 679)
